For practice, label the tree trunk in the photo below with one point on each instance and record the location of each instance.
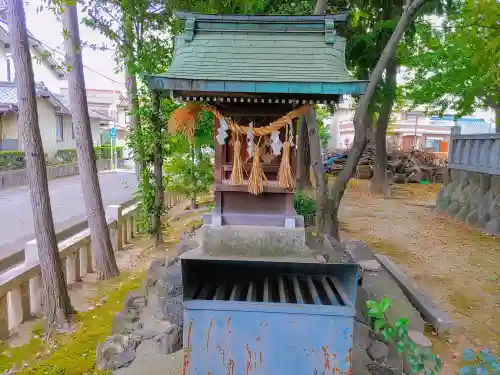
(195, 149)
(361, 116)
(56, 304)
(102, 249)
(303, 145)
(157, 169)
(497, 117)
(379, 180)
(303, 157)
(320, 7)
(317, 166)
(131, 81)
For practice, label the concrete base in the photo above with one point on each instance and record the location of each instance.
(245, 240)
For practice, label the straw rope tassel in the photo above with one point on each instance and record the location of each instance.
(237, 173)
(257, 176)
(286, 179)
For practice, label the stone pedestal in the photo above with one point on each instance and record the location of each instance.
(249, 240)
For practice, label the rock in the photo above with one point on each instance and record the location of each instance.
(126, 321)
(116, 351)
(378, 351)
(420, 339)
(145, 334)
(371, 265)
(169, 295)
(186, 244)
(135, 301)
(171, 340)
(379, 369)
(152, 273)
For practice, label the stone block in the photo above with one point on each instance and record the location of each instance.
(248, 240)
(493, 226)
(495, 185)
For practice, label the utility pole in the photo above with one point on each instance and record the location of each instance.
(56, 305)
(102, 249)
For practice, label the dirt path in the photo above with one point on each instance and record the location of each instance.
(458, 267)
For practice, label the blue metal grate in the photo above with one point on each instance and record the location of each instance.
(314, 290)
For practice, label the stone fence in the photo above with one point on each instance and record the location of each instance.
(472, 192)
(20, 286)
(19, 177)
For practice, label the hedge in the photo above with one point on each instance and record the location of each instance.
(68, 155)
(11, 160)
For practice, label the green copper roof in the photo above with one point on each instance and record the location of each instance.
(259, 54)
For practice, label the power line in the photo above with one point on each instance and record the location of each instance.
(85, 66)
(43, 44)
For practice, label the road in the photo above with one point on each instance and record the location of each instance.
(66, 197)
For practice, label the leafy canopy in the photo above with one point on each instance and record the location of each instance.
(457, 66)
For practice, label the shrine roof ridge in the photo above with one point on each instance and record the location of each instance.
(238, 18)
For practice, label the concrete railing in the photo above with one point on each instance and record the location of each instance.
(20, 286)
(474, 152)
(19, 177)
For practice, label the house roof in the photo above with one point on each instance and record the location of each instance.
(93, 113)
(8, 96)
(259, 54)
(44, 53)
(8, 100)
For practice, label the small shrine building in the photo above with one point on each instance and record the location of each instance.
(257, 75)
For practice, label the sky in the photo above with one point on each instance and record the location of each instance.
(46, 28)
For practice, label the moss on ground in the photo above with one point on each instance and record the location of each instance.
(75, 353)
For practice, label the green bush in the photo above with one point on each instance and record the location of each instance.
(306, 206)
(11, 160)
(106, 150)
(67, 155)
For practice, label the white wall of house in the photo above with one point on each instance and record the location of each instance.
(47, 123)
(43, 73)
(68, 140)
(8, 126)
(3, 63)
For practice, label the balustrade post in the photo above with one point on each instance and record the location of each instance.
(114, 212)
(14, 308)
(4, 320)
(124, 226)
(35, 287)
(31, 252)
(70, 269)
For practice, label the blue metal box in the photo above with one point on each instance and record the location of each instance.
(249, 317)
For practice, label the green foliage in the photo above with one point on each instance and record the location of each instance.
(66, 155)
(322, 113)
(481, 362)
(305, 206)
(11, 160)
(397, 335)
(456, 66)
(189, 174)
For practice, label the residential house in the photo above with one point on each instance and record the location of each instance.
(54, 119)
(52, 98)
(408, 129)
(113, 106)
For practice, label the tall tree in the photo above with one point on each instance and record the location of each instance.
(56, 304)
(456, 65)
(102, 250)
(362, 122)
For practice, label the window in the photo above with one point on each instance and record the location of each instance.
(59, 128)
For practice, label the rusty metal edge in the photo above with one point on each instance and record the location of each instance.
(435, 316)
